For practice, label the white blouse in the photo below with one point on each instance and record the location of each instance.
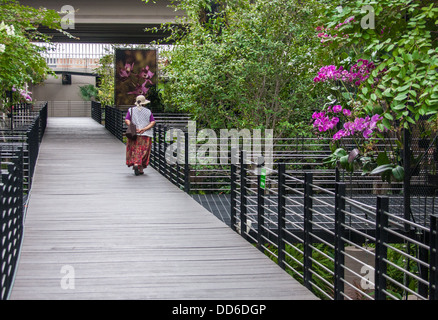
(141, 117)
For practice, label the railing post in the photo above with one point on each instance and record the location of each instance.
(339, 242)
(308, 217)
(159, 155)
(260, 208)
(166, 169)
(186, 163)
(433, 267)
(179, 176)
(106, 117)
(423, 270)
(12, 117)
(154, 148)
(407, 176)
(281, 213)
(120, 121)
(233, 197)
(381, 249)
(243, 193)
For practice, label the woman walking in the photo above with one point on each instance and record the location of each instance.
(138, 150)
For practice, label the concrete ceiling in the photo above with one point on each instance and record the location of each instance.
(110, 21)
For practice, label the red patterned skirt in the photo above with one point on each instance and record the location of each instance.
(138, 151)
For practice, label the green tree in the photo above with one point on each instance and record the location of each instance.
(105, 92)
(396, 42)
(21, 61)
(245, 64)
(402, 44)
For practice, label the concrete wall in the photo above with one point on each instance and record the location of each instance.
(113, 11)
(100, 21)
(64, 100)
(109, 21)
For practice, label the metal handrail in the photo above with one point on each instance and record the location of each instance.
(18, 153)
(326, 224)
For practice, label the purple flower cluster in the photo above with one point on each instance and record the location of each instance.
(347, 21)
(357, 74)
(366, 126)
(125, 72)
(143, 78)
(327, 36)
(24, 93)
(323, 122)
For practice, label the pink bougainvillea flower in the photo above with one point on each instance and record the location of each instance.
(376, 118)
(24, 93)
(337, 108)
(340, 134)
(323, 121)
(367, 133)
(357, 74)
(317, 115)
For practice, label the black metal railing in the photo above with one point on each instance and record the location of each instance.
(96, 111)
(19, 148)
(26, 131)
(12, 212)
(113, 119)
(336, 245)
(114, 122)
(177, 170)
(302, 154)
(321, 225)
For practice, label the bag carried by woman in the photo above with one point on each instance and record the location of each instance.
(131, 131)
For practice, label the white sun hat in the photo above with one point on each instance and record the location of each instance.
(141, 101)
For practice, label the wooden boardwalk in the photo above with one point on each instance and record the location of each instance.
(93, 230)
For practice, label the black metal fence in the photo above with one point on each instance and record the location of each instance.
(114, 122)
(417, 194)
(25, 129)
(113, 119)
(344, 235)
(96, 111)
(12, 215)
(337, 246)
(19, 147)
(213, 177)
(178, 174)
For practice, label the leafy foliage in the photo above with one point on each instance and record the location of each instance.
(402, 86)
(88, 92)
(403, 45)
(21, 61)
(105, 92)
(247, 65)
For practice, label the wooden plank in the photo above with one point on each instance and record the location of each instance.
(128, 237)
